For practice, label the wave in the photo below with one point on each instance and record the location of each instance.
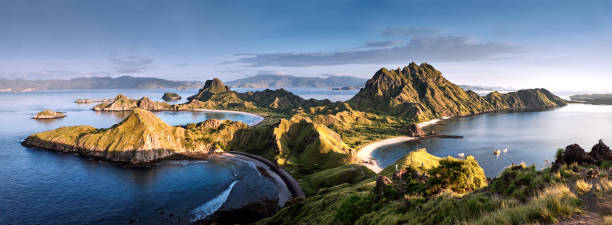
(213, 205)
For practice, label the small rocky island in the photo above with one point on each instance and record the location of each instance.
(171, 96)
(48, 114)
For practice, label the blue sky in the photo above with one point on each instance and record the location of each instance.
(561, 45)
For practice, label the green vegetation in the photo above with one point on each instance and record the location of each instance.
(520, 195)
(522, 182)
(141, 137)
(350, 174)
(48, 114)
(316, 141)
(422, 93)
(171, 96)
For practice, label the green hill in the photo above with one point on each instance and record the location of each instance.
(422, 93)
(141, 137)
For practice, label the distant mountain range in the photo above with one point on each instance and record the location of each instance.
(285, 81)
(123, 82)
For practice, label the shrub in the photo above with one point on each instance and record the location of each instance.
(522, 182)
(458, 175)
(353, 207)
(554, 202)
(559, 155)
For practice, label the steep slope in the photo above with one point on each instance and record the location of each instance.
(422, 93)
(141, 137)
(298, 144)
(216, 95)
(123, 103)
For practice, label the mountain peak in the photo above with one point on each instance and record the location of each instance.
(215, 86)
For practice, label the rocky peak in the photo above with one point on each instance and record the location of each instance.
(141, 118)
(211, 87)
(215, 86)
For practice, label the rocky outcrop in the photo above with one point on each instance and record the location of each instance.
(600, 152)
(171, 96)
(575, 154)
(414, 130)
(48, 114)
(140, 138)
(422, 93)
(123, 103)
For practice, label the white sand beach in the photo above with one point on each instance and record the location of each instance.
(365, 153)
(259, 117)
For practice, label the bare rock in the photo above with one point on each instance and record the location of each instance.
(415, 131)
(600, 152)
(574, 153)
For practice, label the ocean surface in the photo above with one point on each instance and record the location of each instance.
(530, 137)
(45, 187)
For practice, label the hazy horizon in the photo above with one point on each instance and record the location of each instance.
(559, 45)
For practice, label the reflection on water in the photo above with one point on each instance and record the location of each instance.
(530, 137)
(45, 187)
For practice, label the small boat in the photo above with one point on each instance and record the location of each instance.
(505, 150)
(497, 152)
(461, 155)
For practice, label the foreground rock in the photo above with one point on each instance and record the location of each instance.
(575, 154)
(140, 138)
(171, 96)
(123, 103)
(48, 114)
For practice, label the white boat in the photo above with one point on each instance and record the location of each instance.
(497, 152)
(505, 150)
(461, 155)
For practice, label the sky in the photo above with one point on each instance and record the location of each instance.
(560, 45)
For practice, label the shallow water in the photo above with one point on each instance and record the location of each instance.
(44, 187)
(530, 137)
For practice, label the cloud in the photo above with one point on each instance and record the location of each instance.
(381, 44)
(182, 64)
(410, 31)
(431, 49)
(131, 64)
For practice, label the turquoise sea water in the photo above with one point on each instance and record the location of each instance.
(530, 137)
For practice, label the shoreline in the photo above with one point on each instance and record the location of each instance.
(365, 153)
(260, 118)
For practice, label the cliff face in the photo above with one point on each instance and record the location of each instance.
(421, 92)
(141, 137)
(123, 103)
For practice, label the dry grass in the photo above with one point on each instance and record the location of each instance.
(552, 203)
(607, 220)
(582, 186)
